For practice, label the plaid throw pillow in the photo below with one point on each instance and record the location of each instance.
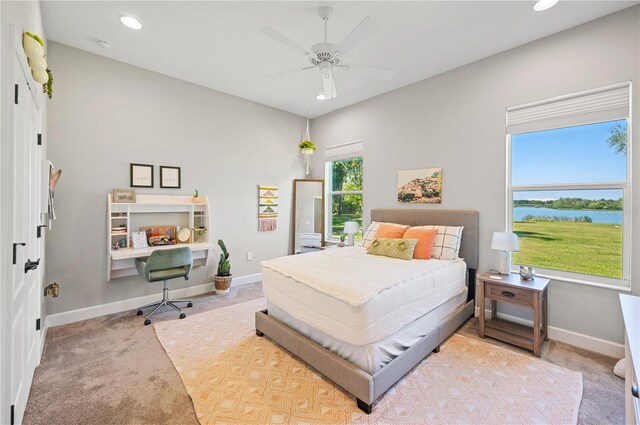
(447, 243)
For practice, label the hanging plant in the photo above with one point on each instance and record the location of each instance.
(306, 144)
(47, 87)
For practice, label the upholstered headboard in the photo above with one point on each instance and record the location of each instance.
(469, 245)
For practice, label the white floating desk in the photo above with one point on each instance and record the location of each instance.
(124, 218)
(123, 261)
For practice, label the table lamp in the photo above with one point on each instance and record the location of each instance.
(506, 243)
(351, 228)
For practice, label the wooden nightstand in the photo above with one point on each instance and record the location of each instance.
(513, 290)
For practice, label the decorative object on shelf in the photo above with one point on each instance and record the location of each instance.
(307, 148)
(350, 229)
(267, 208)
(196, 197)
(124, 196)
(222, 278)
(139, 240)
(527, 273)
(342, 238)
(160, 235)
(169, 177)
(199, 234)
(422, 186)
(184, 235)
(141, 175)
(506, 243)
(34, 49)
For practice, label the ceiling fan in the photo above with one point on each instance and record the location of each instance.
(327, 56)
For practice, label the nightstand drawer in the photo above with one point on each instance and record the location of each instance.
(509, 294)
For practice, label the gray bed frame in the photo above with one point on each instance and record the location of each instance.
(364, 386)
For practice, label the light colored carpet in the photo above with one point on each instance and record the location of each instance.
(234, 376)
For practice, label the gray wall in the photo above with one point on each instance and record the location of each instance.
(106, 114)
(456, 121)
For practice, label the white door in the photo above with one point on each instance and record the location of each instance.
(24, 292)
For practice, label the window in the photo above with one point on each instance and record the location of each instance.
(568, 189)
(344, 195)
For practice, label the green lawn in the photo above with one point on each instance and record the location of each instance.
(588, 248)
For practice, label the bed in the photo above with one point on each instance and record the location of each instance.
(365, 333)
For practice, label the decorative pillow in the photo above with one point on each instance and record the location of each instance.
(389, 231)
(394, 248)
(447, 243)
(426, 239)
(370, 234)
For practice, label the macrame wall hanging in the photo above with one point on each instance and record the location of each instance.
(267, 204)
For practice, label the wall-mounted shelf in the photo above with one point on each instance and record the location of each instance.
(153, 210)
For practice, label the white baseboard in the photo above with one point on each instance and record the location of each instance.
(597, 345)
(132, 303)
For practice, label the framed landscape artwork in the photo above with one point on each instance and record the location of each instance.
(422, 186)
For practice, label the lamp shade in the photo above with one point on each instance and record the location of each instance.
(503, 241)
(351, 227)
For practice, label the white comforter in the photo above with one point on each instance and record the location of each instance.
(353, 276)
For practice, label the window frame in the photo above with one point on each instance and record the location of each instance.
(623, 284)
(329, 193)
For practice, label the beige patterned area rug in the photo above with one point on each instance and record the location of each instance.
(234, 377)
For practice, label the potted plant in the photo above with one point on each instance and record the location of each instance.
(342, 238)
(307, 147)
(196, 197)
(222, 278)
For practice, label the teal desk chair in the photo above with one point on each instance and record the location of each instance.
(165, 264)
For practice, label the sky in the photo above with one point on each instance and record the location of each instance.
(568, 155)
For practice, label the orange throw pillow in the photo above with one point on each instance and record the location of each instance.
(426, 238)
(387, 231)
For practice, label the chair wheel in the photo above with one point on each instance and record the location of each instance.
(139, 313)
(182, 315)
(147, 322)
(190, 304)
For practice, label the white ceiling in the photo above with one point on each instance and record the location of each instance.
(217, 44)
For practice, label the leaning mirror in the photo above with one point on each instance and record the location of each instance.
(308, 216)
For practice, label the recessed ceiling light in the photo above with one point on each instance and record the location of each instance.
(544, 5)
(130, 22)
(320, 97)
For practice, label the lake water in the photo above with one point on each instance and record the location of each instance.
(598, 216)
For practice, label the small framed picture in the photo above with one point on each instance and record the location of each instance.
(141, 175)
(169, 177)
(124, 196)
(139, 240)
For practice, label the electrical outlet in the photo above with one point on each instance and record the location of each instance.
(249, 256)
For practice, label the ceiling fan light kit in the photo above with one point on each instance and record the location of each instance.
(327, 56)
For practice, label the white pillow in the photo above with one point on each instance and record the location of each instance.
(447, 243)
(370, 234)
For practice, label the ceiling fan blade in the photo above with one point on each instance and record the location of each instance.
(329, 87)
(278, 36)
(372, 71)
(365, 29)
(281, 74)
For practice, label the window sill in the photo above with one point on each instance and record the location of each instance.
(587, 280)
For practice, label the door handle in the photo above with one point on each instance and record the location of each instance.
(31, 265)
(508, 294)
(15, 247)
(634, 391)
